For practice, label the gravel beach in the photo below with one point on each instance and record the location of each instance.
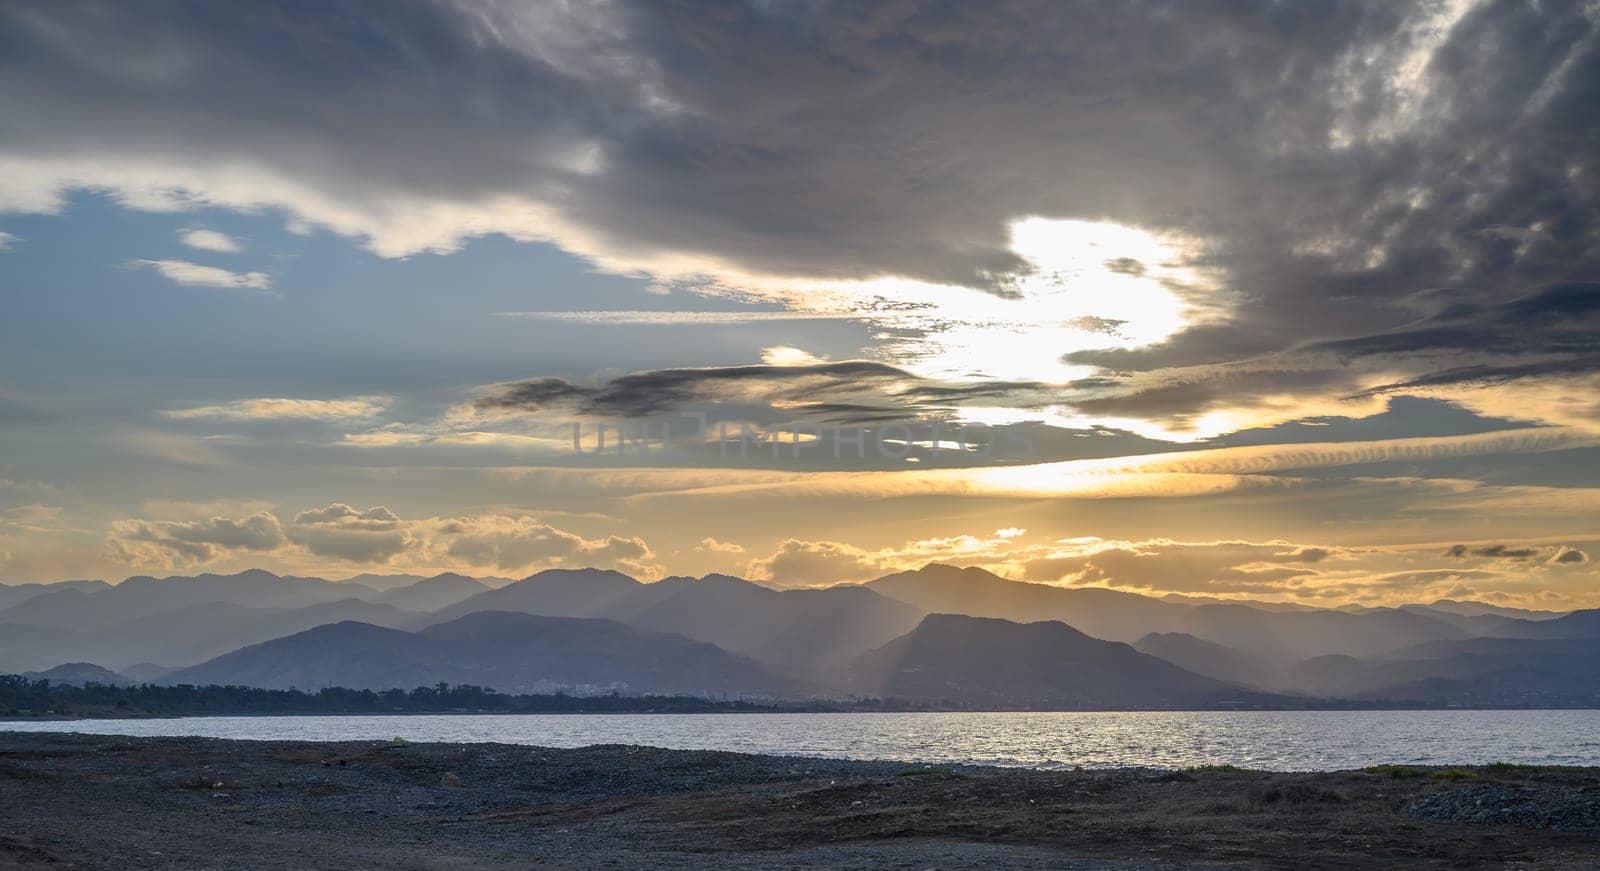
(78, 801)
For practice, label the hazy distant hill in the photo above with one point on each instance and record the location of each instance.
(1577, 625)
(1483, 672)
(1181, 599)
(186, 636)
(26, 648)
(797, 629)
(600, 652)
(181, 636)
(1285, 635)
(1472, 624)
(552, 593)
(510, 652)
(1213, 660)
(800, 629)
(997, 663)
(391, 583)
(1107, 614)
(1478, 609)
(1446, 652)
(384, 583)
(1293, 635)
(350, 654)
(431, 594)
(78, 674)
(88, 610)
(146, 672)
(16, 594)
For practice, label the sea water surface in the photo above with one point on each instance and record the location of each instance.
(1279, 740)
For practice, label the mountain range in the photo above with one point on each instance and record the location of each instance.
(511, 652)
(941, 634)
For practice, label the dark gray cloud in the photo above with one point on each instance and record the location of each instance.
(1562, 555)
(851, 391)
(1458, 340)
(1493, 551)
(1570, 556)
(846, 139)
(1331, 159)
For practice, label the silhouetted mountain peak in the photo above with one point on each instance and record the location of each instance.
(449, 577)
(989, 661)
(584, 574)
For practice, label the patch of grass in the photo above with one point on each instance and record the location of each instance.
(1411, 772)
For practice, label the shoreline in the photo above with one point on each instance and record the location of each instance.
(97, 716)
(204, 802)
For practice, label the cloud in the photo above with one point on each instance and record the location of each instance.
(196, 275)
(787, 355)
(1493, 551)
(171, 544)
(348, 535)
(177, 449)
(801, 563)
(1174, 474)
(7, 241)
(1569, 556)
(398, 435)
(1311, 186)
(280, 408)
(679, 318)
(1548, 554)
(1520, 358)
(373, 535)
(815, 563)
(1322, 167)
(33, 517)
(524, 543)
(850, 391)
(714, 546)
(210, 240)
(1176, 566)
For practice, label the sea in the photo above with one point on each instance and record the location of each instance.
(1273, 740)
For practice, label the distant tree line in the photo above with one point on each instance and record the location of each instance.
(22, 697)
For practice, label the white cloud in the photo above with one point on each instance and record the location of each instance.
(717, 546)
(198, 275)
(787, 355)
(7, 240)
(280, 408)
(210, 240)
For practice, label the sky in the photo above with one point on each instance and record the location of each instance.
(1293, 302)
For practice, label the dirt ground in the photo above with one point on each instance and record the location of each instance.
(78, 801)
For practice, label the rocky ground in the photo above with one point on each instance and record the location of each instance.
(80, 801)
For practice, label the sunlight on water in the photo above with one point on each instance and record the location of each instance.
(1282, 740)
